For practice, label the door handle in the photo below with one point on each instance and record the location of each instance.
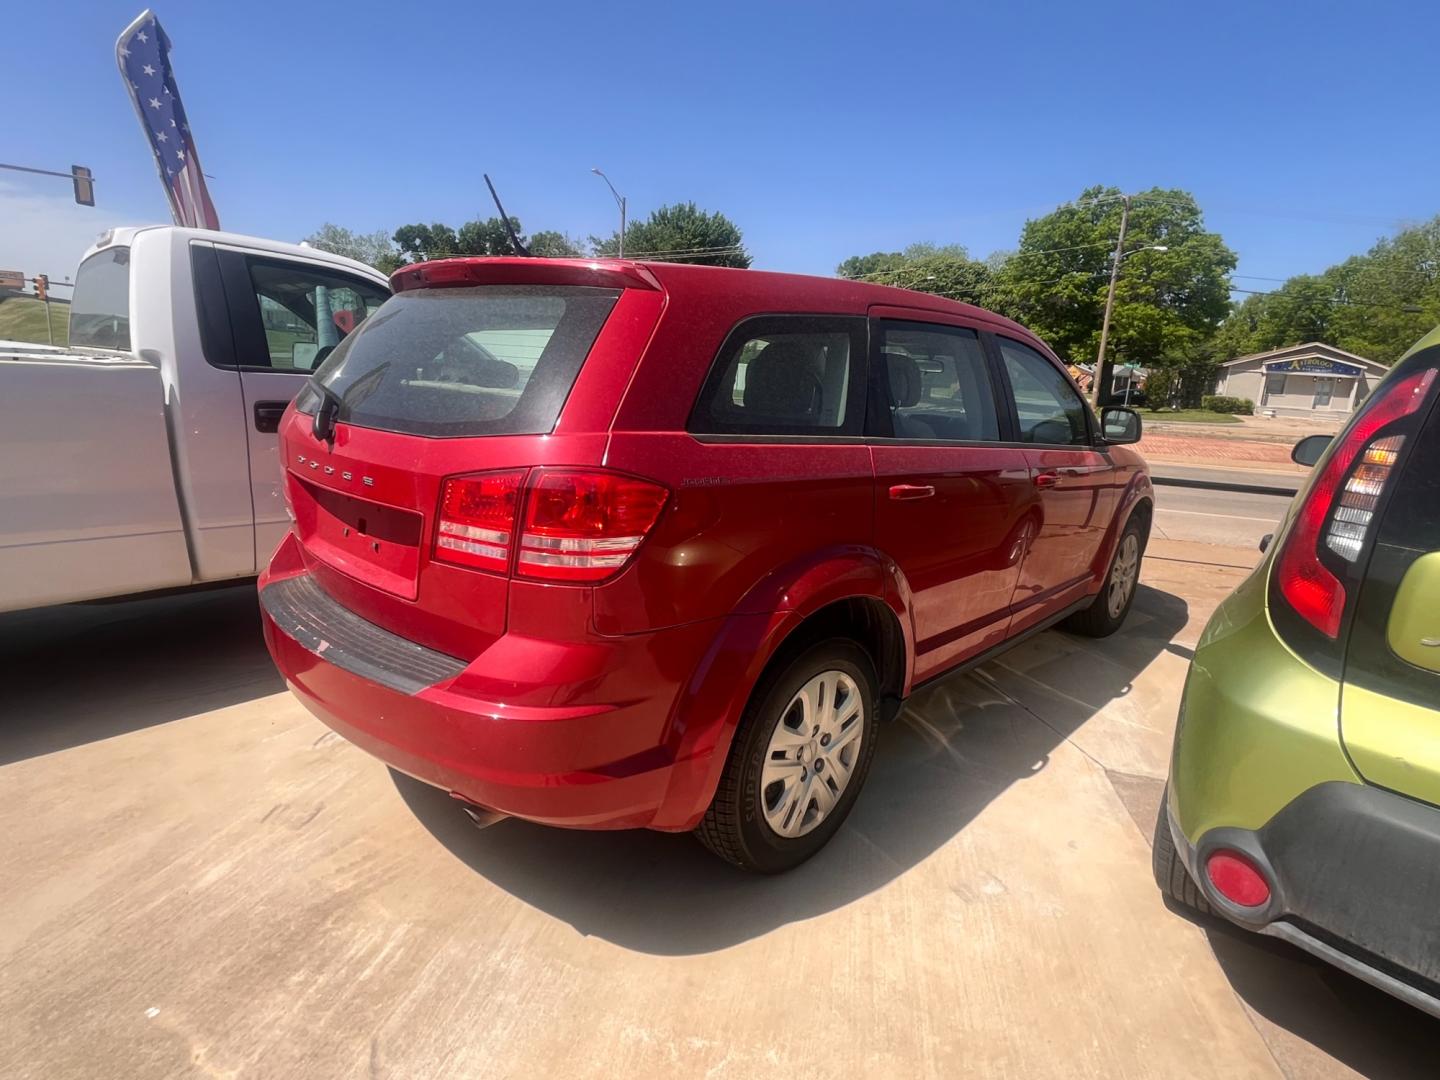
(906, 492)
(1047, 479)
(267, 415)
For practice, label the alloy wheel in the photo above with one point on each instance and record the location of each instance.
(1123, 575)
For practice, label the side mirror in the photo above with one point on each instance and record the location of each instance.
(1120, 425)
(1310, 449)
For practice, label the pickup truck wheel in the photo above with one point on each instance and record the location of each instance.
(799, 759)
(1107, 611)
(1170, 873)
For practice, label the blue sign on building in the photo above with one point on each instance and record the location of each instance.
(1313, 365)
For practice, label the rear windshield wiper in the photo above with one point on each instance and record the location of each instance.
(326, 413)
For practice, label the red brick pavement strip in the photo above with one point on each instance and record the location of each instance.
(1202, 450)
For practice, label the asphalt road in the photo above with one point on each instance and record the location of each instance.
(1216, 517)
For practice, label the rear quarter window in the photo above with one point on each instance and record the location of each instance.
(786, 375)
(100, 309)
(489, 360)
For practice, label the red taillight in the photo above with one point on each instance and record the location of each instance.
(1237, 879)
(1315, 593)
(477, 519)
(580, 525)
(584, 525)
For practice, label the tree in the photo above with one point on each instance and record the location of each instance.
(1377, 304)
(942, 269)
(1057, 279)
(681, 232)
(480, 237)
(880, 263)
(374, 248)
(872, 266)
(554, 245)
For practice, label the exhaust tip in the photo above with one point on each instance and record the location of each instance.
(478, 815)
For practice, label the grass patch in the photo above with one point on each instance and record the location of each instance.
(22, 318)
(1189, 416)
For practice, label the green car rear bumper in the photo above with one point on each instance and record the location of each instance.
(1259, 768)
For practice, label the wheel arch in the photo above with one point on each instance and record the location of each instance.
(1138, 499)
(852, 592)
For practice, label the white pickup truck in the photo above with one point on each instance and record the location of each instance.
(143, 455)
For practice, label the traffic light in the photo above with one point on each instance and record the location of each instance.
(84, 185)
(42, 287)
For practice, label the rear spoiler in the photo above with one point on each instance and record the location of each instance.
(598, 273)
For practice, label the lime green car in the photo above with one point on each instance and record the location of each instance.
(1304, 795)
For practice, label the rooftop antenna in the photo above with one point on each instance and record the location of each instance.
(520, 248)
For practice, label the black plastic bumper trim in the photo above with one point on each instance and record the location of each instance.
(1351, 965)
(304, 611)
(1353, 872)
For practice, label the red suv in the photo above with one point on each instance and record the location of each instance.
(616, 544)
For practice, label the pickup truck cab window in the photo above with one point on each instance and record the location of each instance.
(305, 312)
(100, 310)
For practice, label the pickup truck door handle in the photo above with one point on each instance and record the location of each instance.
(1047, 479)
(906, 492)
(267, 415)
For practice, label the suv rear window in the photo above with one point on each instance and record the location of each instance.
(489, 360)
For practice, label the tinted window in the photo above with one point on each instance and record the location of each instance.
(491, 360)
(936, 383)
(100, 310)
(786, 375)
(305, 312)
(1046, 405)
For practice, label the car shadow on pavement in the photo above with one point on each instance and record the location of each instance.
(1349, 1020)
(957, 745)
(83, 672)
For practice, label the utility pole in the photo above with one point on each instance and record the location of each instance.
(1101, 373)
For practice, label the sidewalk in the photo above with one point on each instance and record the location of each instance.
(1234, 452)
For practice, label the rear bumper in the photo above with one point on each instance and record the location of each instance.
(1354, 871)
(622, 763)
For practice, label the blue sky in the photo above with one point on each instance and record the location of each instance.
(1306, 130)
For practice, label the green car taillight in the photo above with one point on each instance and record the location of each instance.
(1334, 523)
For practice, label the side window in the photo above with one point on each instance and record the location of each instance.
(786, 375)
(1047, 406)
(937, 385)
(100, 310)
(306, 312)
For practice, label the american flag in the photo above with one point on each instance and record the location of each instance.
(143, 53)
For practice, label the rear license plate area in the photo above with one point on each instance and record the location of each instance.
(369, 541)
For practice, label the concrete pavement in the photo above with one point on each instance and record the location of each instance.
(200, 880)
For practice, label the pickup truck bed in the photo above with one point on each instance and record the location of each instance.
(143, 456)
(89, 506)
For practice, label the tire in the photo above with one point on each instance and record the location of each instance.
(746, 822)
(1104, 616)
(1170, 873)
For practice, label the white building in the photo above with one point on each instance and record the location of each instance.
(1313, 380)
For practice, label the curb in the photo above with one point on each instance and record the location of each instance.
(1217, 485)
